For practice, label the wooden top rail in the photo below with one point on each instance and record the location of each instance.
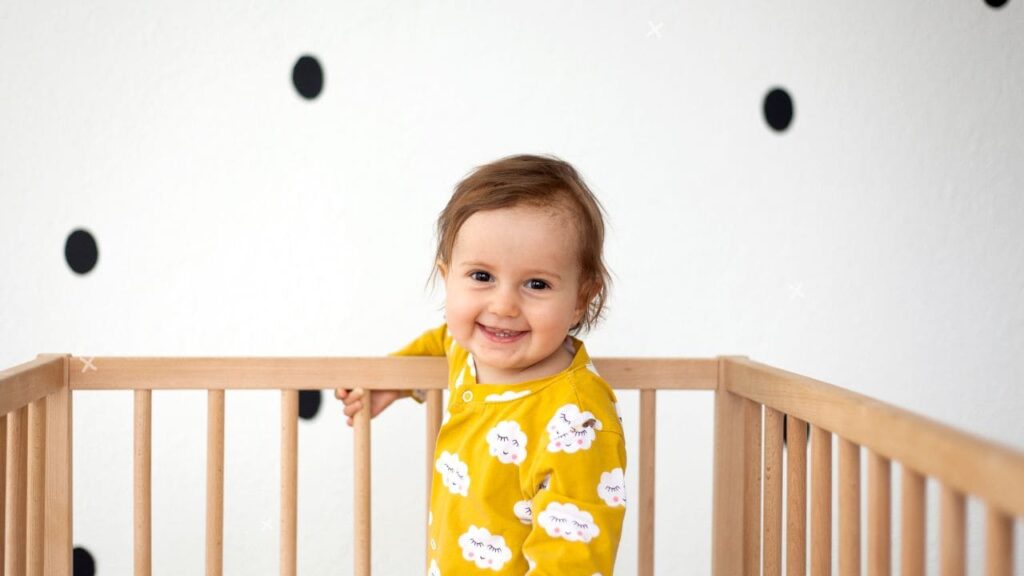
(393, 372)
(25, 383)
(972, 465)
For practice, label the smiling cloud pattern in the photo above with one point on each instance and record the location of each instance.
(484, 549)
(454, 473)
(612, 488)
(524, 511)
(570, 430)
(568, 522)
(506, 396)
(507, 442)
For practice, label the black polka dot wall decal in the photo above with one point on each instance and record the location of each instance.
(308, 77)
(778, 109)
(996, 3)
(80, 251)
(309, 403)
(82, 563)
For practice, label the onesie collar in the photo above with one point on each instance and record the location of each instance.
(469, 391)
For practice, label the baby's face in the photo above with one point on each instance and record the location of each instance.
(512, 290)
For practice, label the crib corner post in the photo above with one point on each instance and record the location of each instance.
(57, 514)
(727, 508)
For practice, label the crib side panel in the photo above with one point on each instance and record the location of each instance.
(58, 521)
(963, 465)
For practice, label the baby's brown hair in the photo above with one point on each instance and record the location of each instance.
(538, 181)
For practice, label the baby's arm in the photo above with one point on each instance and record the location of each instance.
(431, 343)
(577, 518)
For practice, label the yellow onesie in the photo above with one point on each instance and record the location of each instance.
(529, 476)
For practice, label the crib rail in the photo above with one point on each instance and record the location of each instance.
(144, 374)
(751, 402)
(963, 464)
(35, 467)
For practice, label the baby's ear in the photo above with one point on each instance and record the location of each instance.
(442, 269)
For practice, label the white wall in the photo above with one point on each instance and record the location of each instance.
(876, 244)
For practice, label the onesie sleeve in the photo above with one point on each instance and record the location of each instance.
(433, 342)
(579, 510)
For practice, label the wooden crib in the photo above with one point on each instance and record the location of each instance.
(751, 400)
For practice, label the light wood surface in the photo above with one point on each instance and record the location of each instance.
(821, 502)
(645, 536)
(952, 522)
(434, 418)
(215, 483)
(998, 543)
(58, 473)
(289, 481)
(879, 515)
(30, 381)
(796, 496)
(361, 487)
(393, 372)
(727, 486)
(849, 508)
(773, 455)
(970, 464)
(752, 427)
(143, 488)
(17, 477)
(3, 487)
(35, 527)
(912, 523)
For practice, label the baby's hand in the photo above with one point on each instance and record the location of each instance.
(379, 400)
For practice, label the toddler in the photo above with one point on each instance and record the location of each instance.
(531, 454)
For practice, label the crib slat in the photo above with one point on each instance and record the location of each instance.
(912, 523)
(772, 492)
(879, 561)
(289, 479)
(435, 406)
(998, 543)
(58, 476)
(952, 528)
(645, 548)
(849, 508)
(143, 474)
(17, 464)
(361, 487)
(36, 486)
(752, 487)
(796, 496)
(727, 486)
(821, 502)
(3, 486)
(215, 483)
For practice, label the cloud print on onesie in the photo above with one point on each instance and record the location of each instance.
(454, 473)
(612, 488)
(484, 549)
(568, 522)
(569, 430)
(507, 442)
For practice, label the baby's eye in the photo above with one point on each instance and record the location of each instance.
(536, 284)
(480, 276)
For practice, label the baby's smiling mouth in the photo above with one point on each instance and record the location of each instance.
(501, 332)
